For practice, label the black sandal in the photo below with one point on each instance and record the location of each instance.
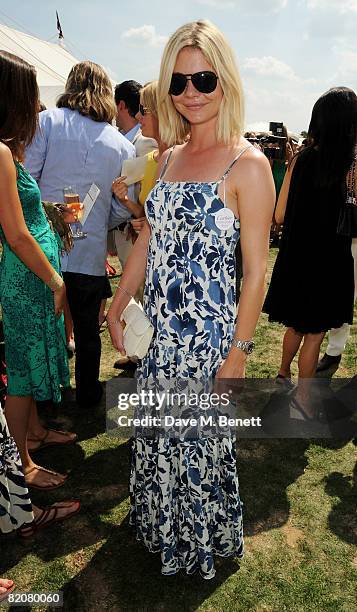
(44, 444)
(45, 519)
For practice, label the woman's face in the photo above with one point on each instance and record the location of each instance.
(195, 106)
(148, 122)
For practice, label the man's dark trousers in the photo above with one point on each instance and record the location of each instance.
(84, 294)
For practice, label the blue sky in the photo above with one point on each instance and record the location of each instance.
(288, 51)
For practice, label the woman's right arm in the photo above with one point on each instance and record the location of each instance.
(16, 233)
(132, 277)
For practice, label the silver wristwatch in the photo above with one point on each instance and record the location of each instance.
(247, 346)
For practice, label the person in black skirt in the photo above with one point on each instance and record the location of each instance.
(312, 284)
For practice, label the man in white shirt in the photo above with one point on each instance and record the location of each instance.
(127, 100)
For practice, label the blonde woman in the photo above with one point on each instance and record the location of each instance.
(147, 116)
(77, 146)
(211, 189)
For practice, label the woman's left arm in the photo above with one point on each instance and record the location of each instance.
(254, 185)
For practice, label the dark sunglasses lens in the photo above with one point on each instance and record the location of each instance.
(205, 82)
(178, 84)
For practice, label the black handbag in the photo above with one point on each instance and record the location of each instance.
(347, 221)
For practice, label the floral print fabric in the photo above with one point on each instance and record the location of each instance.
(185, 496)
(15, 504)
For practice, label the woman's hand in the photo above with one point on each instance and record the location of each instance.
(120, 189)
(138, 224)
(116, 335)
(233, 366)
(69, 215)
(229, 378)
(59, 297)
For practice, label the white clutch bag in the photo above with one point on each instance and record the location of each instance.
(138, 331)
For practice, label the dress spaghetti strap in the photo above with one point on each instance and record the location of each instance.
(164, 167)
(224, 176)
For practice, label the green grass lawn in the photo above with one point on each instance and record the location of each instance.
(299, 512)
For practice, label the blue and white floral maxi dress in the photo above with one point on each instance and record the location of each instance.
(184, 493)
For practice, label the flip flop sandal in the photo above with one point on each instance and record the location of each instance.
(44, 444)
(47, 517)
(49, 487)
(10, 589)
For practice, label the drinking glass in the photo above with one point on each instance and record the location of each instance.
(72, 201)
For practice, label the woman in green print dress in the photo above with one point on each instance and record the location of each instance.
(31, 290)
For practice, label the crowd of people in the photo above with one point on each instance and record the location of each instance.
(203, 207)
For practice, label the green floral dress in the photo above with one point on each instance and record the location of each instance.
(35, 344)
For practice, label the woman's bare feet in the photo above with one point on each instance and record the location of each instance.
(6, 586)
(38, 477)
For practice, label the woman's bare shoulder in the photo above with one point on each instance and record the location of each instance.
(252, 162)
(7, 166)
(5, 153)
(166, 154)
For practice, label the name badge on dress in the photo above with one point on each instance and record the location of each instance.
(224, 218)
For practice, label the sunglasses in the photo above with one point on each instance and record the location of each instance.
(204, 82)
(143, 110)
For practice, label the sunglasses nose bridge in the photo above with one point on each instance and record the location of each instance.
(190, 88)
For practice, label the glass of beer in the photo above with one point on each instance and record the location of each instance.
(72, 201)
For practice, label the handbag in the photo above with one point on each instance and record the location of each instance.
(138, 331)
(347, 221)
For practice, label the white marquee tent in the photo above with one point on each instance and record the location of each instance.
(52, 61)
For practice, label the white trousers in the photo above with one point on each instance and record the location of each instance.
(339, 336)
(123, 246)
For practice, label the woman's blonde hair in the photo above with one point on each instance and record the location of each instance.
(89, 91)
(148, 96)
(202, 35)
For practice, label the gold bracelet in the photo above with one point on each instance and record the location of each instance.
(56, 282)
(125, 291)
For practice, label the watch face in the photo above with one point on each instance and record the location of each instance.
(250, 348)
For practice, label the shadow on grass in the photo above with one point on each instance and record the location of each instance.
(113, 570)
(122, 574)
(342, 518)
(266, 468)
(126, 576)
(100, 482)
(86, 422)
